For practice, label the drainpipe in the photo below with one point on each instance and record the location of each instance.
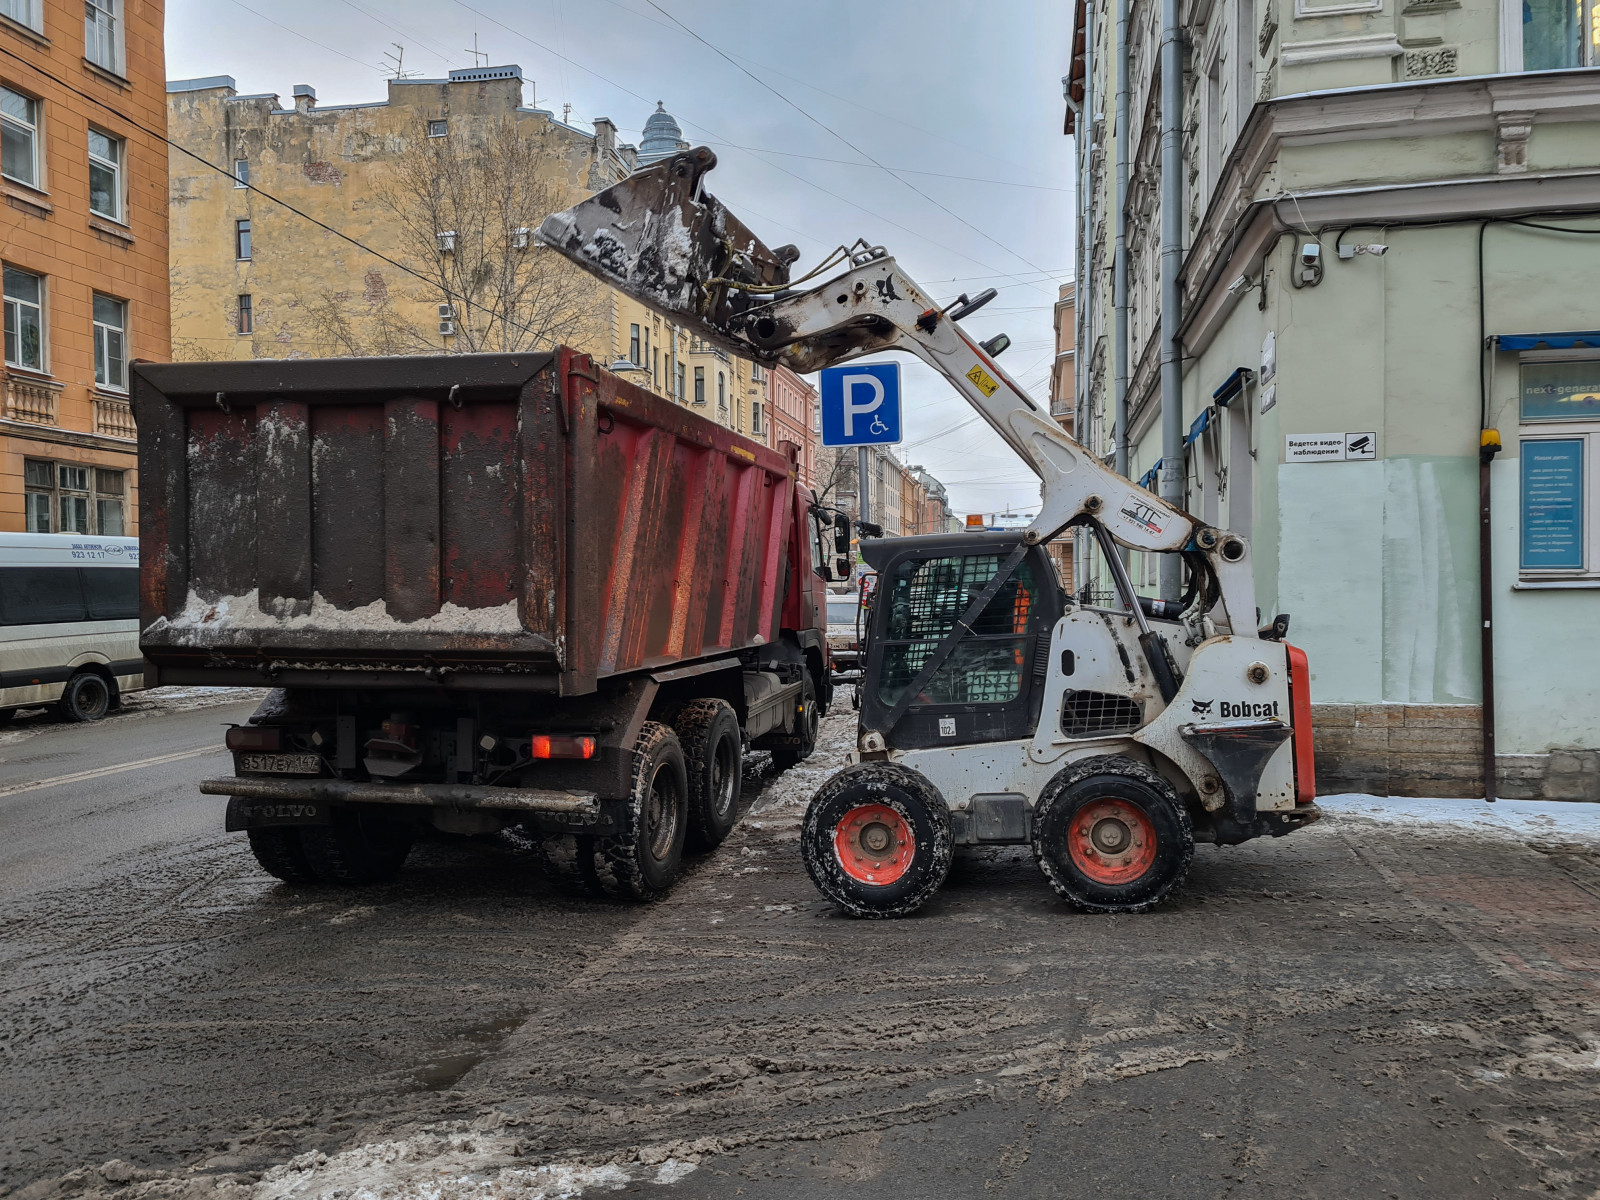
(1119, 281)
(1488, 447)
(672, 366)
(1172, 473)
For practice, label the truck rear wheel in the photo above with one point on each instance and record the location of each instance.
(568, 858)
(360, 847)
(877, 840)
(1111, 836)
(278, 850)
(713, 754)
(806, 719)
(641, 862)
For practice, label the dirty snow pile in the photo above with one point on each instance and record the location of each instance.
(1524, 820)
(201, 616)
(792, 790)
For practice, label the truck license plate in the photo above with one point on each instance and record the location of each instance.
(281, 764)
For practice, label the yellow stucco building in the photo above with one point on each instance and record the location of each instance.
(404, 226)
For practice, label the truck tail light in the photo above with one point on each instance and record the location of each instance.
(246, 737)
(1305, 759)
(559, 745)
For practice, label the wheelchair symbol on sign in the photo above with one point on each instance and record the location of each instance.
(878, 427)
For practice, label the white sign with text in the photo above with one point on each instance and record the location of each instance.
(1329, 447)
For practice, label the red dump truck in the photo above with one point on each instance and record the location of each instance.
(488, 591)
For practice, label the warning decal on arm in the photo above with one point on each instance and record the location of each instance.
(985, 383)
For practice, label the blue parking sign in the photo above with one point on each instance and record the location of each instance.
(861, 405)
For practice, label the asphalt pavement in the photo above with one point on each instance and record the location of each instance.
(1362, 1009)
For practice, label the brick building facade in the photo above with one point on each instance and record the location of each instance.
(83, 239)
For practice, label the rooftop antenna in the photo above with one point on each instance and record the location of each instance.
(476, 53)
(397, 63)
(566, 114)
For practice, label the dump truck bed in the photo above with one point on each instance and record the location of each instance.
(488, 521)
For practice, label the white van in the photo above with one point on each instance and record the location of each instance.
(69, 623)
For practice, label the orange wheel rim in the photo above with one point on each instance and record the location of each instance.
(1111, 841)
(874, 844)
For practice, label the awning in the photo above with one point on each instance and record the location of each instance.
(1199, 426)
(1546, 341)
(1148, 479)
(1233, 385)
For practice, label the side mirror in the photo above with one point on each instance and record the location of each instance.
(841, 534)
(841, 568)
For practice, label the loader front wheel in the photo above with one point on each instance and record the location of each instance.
(877, 840)
(1111, 836)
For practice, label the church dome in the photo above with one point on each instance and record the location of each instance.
(662, 137)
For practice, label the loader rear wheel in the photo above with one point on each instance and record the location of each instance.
(1111, 836)
(642, 860)
(278, 850)
(713, 753)
(359, 848)
(877, 840)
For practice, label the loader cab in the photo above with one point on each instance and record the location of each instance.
(992, 685)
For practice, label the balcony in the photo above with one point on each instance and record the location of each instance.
(31, 399)
(114, 418)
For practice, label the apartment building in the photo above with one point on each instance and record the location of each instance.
(83, 242)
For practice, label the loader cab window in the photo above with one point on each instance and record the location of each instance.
(925, 598)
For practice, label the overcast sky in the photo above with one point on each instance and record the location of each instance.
(962, 100)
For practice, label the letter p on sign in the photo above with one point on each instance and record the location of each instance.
(861, 405)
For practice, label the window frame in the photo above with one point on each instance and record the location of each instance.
(241, 179)
(118, 171)
(114, 15)
(35, 22)
(1587, 49)
(41, 308)
(1582, 429)
(439, 127)
(95, 493)
(34, 129)
(103, 332)
(244, 248)
(244, 315)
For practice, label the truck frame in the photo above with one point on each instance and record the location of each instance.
(994, 710)
(489, 592)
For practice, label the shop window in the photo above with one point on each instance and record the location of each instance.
(69, 498)
(1558, 444)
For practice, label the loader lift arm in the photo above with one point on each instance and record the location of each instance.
(661, 238)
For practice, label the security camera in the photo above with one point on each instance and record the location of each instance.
(1311, 254)
(1374, 248)
(1237, 284)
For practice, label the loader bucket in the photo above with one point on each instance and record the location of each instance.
(661, 238)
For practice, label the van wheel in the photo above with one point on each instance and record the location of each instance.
(806, 720)
(713, 755)
(1111, 835)
(87, 698)
(641, 862)
(877, 840)
(360, 847)
(280, 854)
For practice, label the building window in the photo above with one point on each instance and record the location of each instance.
(1560, 33)
(633, 344)
(66, 498)
(241, 172)
(19, 137)
(678, 383)
(241, 240)
(102, 33)
(699, 385)
(247, 317)
(105, 174)
(24, 300)
(1558, 446)
(438, 128)
(110, 344)
(755, 417)
(24, 12)
(722, 392)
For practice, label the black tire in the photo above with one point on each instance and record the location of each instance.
(851, 797)
(359, 848)
(1093, 831)
(713, 757)
(87, 697)
(807, 719)
(568, 858)
(641, 861)
(7, 715)
(278, 850)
